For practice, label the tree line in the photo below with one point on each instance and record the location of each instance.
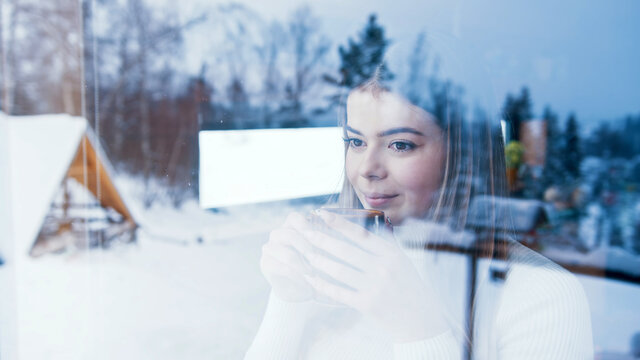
(121, 64)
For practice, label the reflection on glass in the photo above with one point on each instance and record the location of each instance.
(150, 150)
(388, 295)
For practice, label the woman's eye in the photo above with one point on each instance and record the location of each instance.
(354, 143)
(402, 146)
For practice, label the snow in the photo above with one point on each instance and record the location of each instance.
(5, 186)
(587, 230)
(191, 286)
(290, 163)
(594, 232)
(605, 257)
(190, 223)
(7, 298)
(155, 300)
(521, 215)
(167, 296)
(42, 149)
(160, 299)
(615, 312)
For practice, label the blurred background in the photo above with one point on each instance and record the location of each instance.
(147, 148)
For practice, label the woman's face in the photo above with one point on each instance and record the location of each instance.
(395, 154)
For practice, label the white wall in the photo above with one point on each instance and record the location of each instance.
(249, 166)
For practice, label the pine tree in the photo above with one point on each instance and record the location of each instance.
(239, 104)
(572, 152)
(417, 79)
(553, 172)
(290, 110)
(363, 58)
(516, 110)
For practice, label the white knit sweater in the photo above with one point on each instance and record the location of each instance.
(539, 312)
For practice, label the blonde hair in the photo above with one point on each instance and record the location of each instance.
(474, 165)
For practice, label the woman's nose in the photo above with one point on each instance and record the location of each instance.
(372, 166)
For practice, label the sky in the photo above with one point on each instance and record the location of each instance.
(575, 56)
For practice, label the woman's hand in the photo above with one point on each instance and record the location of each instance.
(282, 263)
(385, 285)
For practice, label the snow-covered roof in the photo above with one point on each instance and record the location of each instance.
(609, 258)
(41, 151)
(515, 214)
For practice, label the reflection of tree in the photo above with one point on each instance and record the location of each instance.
(553, 172)
(615, 237)
(285, 58)
(42, 57)
(148, 111)
(417, 78)
(572, 150)
(424, 87)
(309, 49)
(516, 110)
(446, 100)
(239, 104)
(271, 51)
(141, 44)
(139, 97)
(613, 139)
(237, 53)
(363, 58)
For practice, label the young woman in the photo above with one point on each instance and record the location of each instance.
(396, 302)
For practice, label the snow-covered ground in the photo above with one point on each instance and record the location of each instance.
(190, 287)
(166, 300)
(169, 296)
(152, 300)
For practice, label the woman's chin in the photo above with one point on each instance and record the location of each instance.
(395, 221)
(394, 218)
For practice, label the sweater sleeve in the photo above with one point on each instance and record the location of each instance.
(281, 330)
(544, 314)
(443, 346)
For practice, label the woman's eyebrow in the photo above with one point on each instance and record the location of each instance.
(349, 128)
(400, 130)
(390, 131)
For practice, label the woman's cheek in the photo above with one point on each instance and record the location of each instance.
(351, 167)
(413, 175)
(420, 179)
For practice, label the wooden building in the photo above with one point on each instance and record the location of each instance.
(62, 192)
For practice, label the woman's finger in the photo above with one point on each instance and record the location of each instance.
(339, 272)
(342, 250)
(291, 237)
(286, 255)
(297, 221)
(287, 283)
(334, 292)
(271, 266)
(356, 233)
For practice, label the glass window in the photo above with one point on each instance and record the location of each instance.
(329, 180)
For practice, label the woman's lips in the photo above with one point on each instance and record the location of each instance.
(378, 200)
